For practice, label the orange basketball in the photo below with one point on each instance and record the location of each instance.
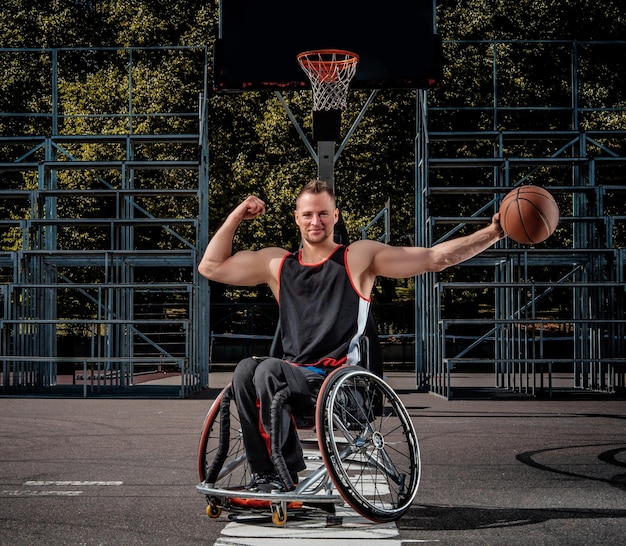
(529, 214)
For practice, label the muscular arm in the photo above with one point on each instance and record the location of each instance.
(369, 259)
(244, 268)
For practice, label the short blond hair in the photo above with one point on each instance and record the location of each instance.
(316, 187)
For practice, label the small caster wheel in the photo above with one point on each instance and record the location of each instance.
(279, 516)
(213, 510)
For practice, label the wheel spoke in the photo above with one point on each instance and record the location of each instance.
(371, 449)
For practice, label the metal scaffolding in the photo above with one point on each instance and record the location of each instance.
(90, 293)
(112, 292)
(525, 312)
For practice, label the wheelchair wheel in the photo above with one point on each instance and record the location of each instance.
(368, 444)
(225, 467)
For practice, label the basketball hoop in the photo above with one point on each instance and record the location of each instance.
(330, 72)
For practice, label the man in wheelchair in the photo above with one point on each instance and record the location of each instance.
(323, 291)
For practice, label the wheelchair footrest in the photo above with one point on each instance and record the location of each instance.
(243, 494)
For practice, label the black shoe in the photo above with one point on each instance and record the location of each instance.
(268, 483)
(273, 485)
(263, 481)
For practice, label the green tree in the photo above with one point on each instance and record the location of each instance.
(253, 146)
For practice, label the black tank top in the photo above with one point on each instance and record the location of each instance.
(322, 316)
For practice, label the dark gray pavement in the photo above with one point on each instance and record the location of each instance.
(496, 470)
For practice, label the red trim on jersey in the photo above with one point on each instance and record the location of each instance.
(280, 268)
(345, 263)
(317, 263)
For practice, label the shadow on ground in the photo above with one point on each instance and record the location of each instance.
(458, 518)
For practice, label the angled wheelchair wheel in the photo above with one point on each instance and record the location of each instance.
(223, 463)
(368, 443)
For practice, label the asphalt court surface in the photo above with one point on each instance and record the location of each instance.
(496, 470)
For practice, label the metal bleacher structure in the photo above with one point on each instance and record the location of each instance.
(527, 311)
(87, 292)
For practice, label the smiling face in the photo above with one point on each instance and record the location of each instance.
(316, 216)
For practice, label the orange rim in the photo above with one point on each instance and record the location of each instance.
(324, 64)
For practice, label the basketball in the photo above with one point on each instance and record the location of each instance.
(529, 214)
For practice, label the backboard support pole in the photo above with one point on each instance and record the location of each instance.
(326, 162)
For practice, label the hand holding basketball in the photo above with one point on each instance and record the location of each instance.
(529, 214)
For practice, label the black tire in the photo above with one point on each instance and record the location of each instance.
(368, 444)
(222, 462)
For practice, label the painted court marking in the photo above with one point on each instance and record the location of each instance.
(54, 492)
(68, 483)
(353, 530)
(31, 493)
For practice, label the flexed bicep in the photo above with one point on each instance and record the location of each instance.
(247, 268)
(244, 268)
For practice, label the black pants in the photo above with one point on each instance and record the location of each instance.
(260, 380)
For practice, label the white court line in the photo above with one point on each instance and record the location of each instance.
(31, 493)
(225, 541)
(307, 541)
(54, 492)
(69, 483)
(353, 530)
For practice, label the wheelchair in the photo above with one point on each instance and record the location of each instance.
(360, 448)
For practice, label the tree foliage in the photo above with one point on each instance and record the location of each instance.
(254, 148)
(533, 20)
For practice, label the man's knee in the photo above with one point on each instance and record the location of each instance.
(244, 371)
(268, 372)
(247, 363)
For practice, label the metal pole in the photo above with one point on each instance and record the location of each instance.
(326, 162)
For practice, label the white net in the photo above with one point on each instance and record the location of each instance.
(330, 72)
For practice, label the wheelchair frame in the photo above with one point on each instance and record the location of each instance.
(364, 453)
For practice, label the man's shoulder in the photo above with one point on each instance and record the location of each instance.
(365, 246)
(361, 254)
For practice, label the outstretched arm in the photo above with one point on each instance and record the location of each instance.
(370, 259)
(244, 268)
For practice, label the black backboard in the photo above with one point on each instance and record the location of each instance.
(259, 41)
